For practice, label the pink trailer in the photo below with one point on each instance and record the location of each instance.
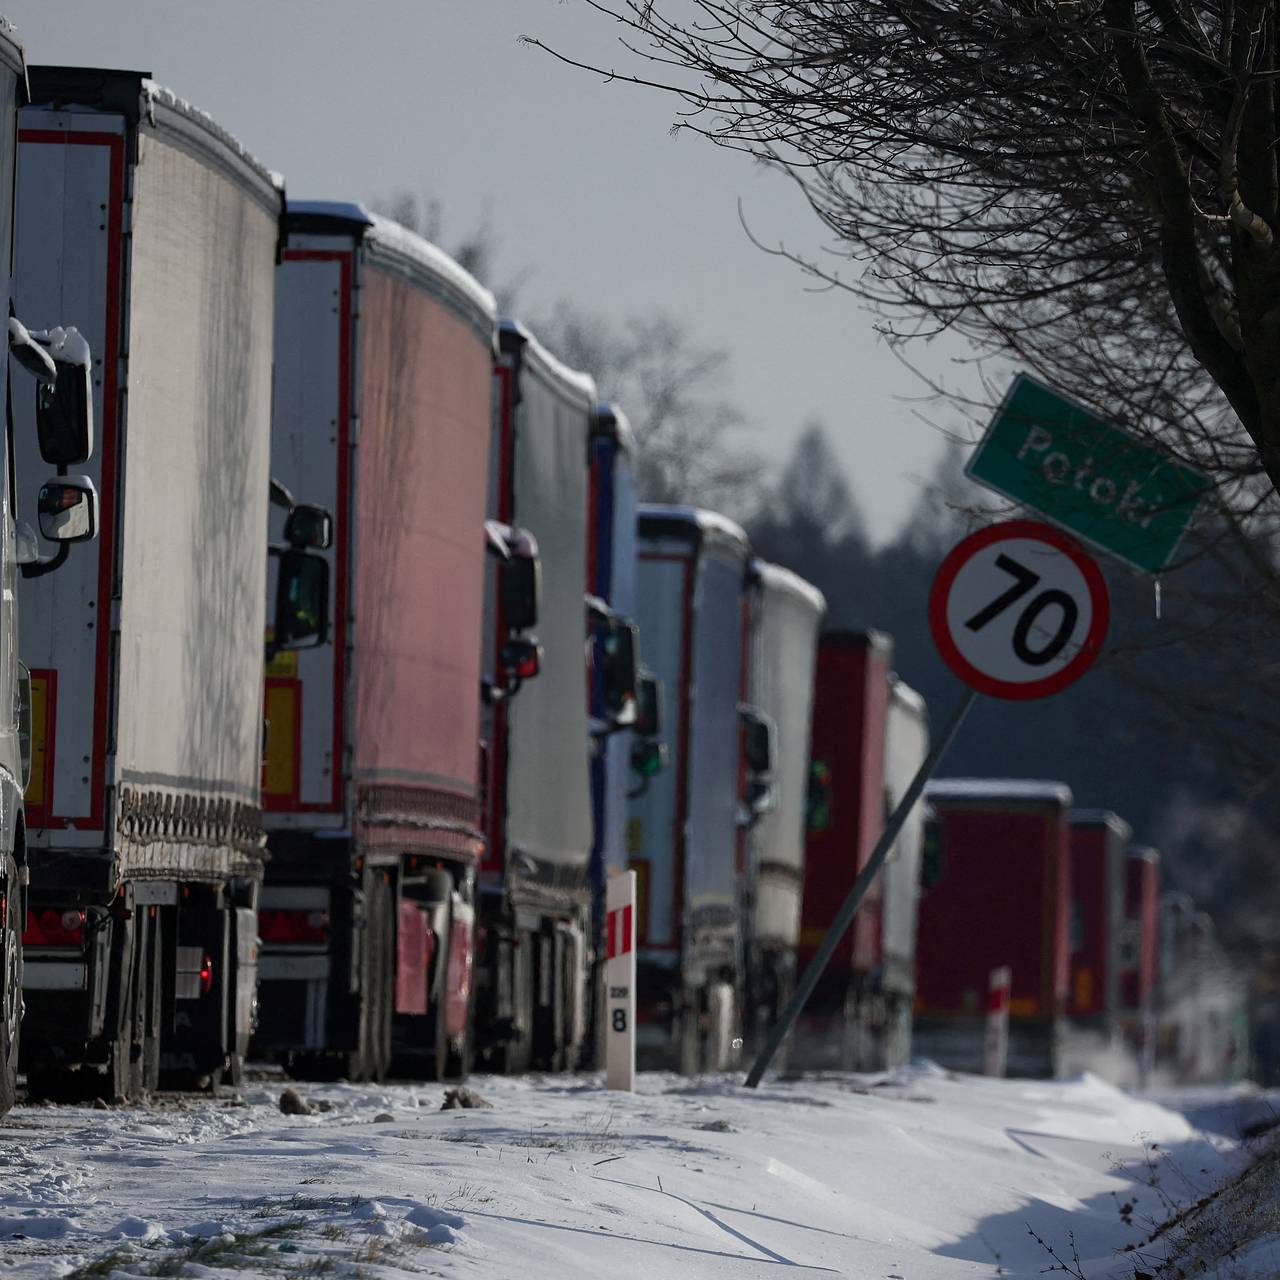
(384, 359)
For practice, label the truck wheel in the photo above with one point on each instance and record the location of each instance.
(10, 989)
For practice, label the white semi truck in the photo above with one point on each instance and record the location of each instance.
(67, 511)
(141, 218)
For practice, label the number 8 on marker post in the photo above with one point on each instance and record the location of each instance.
(620, 981)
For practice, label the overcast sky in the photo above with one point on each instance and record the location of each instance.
(580, 179)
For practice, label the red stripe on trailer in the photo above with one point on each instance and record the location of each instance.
(744, 696)
(342, 525)
(114, 143)
(495, 853)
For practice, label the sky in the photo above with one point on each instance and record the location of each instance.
(580, 179)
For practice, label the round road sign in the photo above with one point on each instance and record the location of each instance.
(1019, 610)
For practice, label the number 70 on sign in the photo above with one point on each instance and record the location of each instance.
(1019, 610)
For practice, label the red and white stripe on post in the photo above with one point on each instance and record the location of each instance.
(620, 981)
(621, 933)
(995, 1048)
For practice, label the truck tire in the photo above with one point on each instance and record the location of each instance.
(10, 988)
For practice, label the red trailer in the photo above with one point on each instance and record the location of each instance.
(1139, 940)
(845, 818)
(996, 887)
(1099, 843)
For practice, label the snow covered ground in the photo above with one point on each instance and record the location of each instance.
(910, 1176)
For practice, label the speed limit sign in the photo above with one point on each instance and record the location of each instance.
(1019, 610)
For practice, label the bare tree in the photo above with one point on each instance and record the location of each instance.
(1025, 171)
(672, 389)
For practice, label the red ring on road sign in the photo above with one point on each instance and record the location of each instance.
(1098, 597)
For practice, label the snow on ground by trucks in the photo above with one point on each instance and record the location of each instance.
(914, 1175)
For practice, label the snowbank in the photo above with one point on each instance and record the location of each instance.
(914, 1175)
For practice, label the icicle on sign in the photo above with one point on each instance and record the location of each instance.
(620, 981)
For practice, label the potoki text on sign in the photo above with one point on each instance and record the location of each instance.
(1120, 492)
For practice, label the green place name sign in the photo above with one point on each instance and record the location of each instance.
(1122, 493)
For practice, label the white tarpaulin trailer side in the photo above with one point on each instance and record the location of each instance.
(157, 233)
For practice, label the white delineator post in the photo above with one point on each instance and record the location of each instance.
(995, 1046)
(620, 981)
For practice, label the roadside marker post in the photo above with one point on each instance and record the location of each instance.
(620, 981)
(995, 1045)
(1018, 610)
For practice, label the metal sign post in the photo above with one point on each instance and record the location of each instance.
(620, 981)
(866, 877)
(995, 1044)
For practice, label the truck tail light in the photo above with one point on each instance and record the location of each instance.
(206, 974)
(54, 929)
(283, 926)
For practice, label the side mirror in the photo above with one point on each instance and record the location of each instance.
(521, 659)
(67, 509)
(818, 799)
(648, 706)
(64, 409)
(758, 799)
(521, 591)
(29, 354)
(758, 736)
(308, 525)
(302, 601)
(648, 757)
(618, 649)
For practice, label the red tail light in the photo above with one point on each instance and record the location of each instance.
(54, 929)
(206, 974)
(293, 926)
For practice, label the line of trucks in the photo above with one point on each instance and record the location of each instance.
(371, 667)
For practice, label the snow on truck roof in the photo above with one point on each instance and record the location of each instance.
(11, 55)
(900, 691)
(703, 522)
(136, 96)
(1101, 818)
(999, 790)
(776, 578)
(612, 422)
(401, 249)
(571, 380)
